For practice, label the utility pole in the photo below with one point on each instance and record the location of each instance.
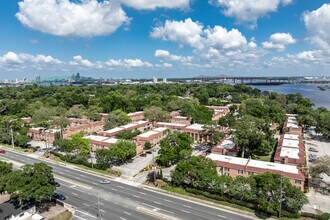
(90, 154)
(12, 137)
(281, 195)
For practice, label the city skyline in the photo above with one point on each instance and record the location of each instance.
(184, 38)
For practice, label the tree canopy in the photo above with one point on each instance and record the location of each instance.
(174, 147)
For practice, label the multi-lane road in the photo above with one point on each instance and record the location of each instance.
(119, 200)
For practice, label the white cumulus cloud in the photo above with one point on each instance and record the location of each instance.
(153, 4)
(248, 11)
(127, 63)
(185, 32)
(208, 43)
(85, 18)
(166, 55)
(318, 26)
(278, 41)
(79, 61)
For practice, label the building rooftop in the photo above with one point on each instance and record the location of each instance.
(141, 122)
(290, 143)
(291, 136)
(95, 138)
(129, 126)
(289, 152)
(160, 129)
(148, 134)
(292, 125)
(171, 124)
(110, 140)
(227, 144)
(254, 163)
(135, 113)
(198, 127)
(114, 130)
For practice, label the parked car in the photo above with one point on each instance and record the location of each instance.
(60, 196)
(311, 149)
(148, 152)
(2, 151)
(143, 155)
(105, 181)
(313, 156)
(57, 184)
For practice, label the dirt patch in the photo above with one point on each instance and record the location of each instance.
(4, 198)
(53, 212)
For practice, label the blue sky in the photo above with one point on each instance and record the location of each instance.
(164, 38)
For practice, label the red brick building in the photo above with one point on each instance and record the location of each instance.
(235, 166)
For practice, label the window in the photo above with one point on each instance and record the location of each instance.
(227, 169)
(250, 173)
(297, 181)
(240, 171)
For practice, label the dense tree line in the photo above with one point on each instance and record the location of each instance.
(261, 192)
(28, 185)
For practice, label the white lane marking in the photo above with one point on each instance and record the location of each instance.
(157, 203)
(80, 190)
(85, 204)
(121, 187)
(82, 175)
(67, 171)
(127, 213)
(148, 205)
(142, 193)
(94, 184)
(166, 200)
(167, 211)
(76, 216)
(116, 203)
(221, 216)
(60, 172)
(101, 203)
(123, 218)
(113, 189)
(102, 210)
(187, 206)
(74, 194)
(76, 178)
(86, 213)
(136, 196)
(185, 211)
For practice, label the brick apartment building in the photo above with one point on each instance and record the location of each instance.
(139, 125)
(226, 147)
(154, 137)
(235, 166)
(290, 150)
(219, 112)
(136, 116)
(100, 142)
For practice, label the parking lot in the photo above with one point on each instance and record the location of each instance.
(318, 199)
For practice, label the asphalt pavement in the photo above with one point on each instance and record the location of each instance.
(118, 200)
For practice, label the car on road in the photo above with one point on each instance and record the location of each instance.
(312, 149)
(57, 184)
(60, 196)
(2, 151)
(105, 181)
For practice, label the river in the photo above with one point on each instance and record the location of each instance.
(319, 98)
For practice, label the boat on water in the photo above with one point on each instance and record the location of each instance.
(324, 88)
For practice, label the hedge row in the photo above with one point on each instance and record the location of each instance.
(78, 161)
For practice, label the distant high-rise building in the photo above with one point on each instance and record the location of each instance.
(154, 79)
(37, 79)
(164, 80)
